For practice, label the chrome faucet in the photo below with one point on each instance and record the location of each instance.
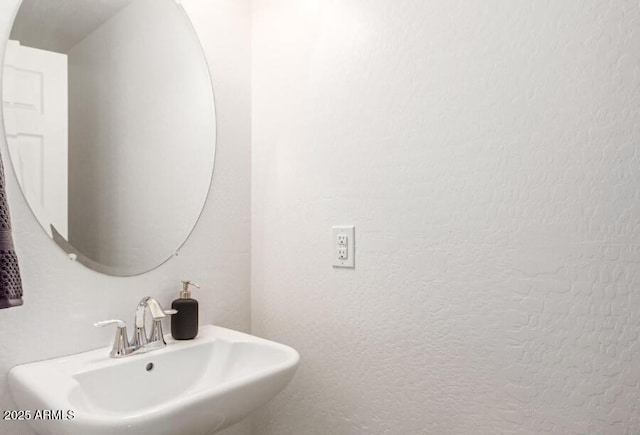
(140, 342)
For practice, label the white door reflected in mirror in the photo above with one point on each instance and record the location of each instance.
(38, 140)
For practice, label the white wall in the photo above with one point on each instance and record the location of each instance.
(488, 154)
(124, 93)
(63, 299)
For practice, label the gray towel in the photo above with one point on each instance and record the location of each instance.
(10, 282)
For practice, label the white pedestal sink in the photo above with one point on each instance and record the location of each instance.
(190, 387)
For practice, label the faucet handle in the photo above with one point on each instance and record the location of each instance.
(121, 346)
(118, 323)
(156, 329)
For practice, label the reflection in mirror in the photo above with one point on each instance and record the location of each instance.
(110, 123)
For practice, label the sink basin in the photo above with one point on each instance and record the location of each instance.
(190, 387)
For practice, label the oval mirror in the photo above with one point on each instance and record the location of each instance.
(110, 124)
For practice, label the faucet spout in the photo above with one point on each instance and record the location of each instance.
(156, 338)
(154, 307)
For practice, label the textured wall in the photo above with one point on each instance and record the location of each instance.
(488, 154)
(63, 299)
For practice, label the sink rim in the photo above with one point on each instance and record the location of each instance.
(56, 394)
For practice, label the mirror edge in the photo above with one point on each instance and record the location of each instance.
(4, 152)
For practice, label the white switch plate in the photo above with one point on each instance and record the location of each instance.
(343, 244)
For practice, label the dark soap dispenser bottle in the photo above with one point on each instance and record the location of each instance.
(184, 324)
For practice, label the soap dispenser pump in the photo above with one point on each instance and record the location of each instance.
(184, 324)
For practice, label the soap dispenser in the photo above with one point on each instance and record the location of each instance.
(184, 324)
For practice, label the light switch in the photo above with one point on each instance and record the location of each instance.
(343, 246)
